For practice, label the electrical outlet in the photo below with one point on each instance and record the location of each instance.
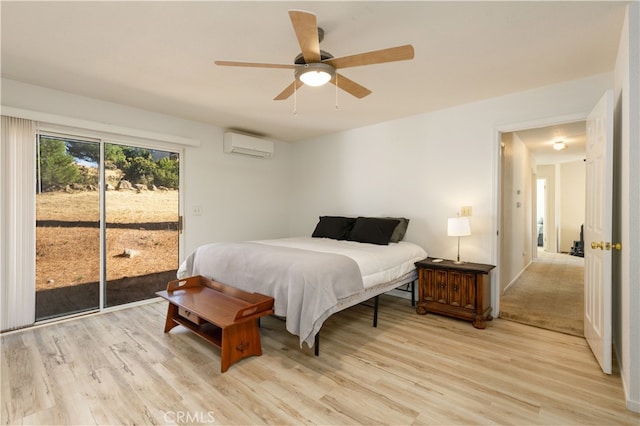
(465, 211)
(197, 210)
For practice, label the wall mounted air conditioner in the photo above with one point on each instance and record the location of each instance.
(237, 143)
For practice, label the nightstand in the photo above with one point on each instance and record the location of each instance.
(462, 291)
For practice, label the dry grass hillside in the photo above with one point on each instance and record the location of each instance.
(68, 246)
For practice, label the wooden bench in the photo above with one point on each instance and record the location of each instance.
(223, 315)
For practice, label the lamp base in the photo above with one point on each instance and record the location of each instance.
(458, 261)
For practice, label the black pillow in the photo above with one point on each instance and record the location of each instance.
(401, 229)
(336, 227)
(373, 230)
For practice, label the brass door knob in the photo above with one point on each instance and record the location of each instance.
(605, 246)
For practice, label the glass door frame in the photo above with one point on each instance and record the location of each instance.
(149, 145)
(67, 137)
(99, 137)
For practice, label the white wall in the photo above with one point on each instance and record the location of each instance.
(548, 173)
(241, 197)
(521, 208)
(572, 202)
(626, 221)
(516, 209)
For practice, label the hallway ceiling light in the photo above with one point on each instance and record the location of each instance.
(559, 145)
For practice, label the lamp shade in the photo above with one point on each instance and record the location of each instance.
(458, 226)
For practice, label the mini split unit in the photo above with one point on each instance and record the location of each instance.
(237, 143)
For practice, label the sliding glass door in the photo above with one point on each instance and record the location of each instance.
(67, 226)
(97, 245)
(142, 222)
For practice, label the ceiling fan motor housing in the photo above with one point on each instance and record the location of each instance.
(317, 73)
(299, 60)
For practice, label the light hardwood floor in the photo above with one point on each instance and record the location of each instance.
(119, 368)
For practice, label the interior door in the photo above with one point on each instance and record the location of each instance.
(597, 231)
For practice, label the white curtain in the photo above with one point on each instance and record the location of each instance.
(17, 223)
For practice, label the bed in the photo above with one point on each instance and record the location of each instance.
(346, 261)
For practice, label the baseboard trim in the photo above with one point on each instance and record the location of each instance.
(629, 403)
(512, 282)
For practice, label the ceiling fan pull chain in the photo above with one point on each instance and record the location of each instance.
(295, 98)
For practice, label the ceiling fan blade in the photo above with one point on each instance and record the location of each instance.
(392, 54)
(288, 91)
(253, 65)
(350, 86)
(305, 26)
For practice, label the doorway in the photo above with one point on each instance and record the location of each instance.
(541, 195)
(107, 224)
(542, 213)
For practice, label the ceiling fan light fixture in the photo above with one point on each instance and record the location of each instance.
(316, 74)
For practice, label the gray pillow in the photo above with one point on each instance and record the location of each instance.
(401, 229)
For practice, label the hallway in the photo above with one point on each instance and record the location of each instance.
(548, 294)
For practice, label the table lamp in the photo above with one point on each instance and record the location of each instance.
(458, 227)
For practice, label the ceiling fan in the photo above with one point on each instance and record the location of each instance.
(316, 67)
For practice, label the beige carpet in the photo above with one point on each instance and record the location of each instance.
(549, 294)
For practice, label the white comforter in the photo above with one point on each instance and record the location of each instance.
(307, 277)
(378, 264)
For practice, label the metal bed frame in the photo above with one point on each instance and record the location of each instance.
(410, 287)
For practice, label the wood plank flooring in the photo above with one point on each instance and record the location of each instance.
(119, 368)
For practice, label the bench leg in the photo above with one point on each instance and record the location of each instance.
(169, 323)
(239, 341)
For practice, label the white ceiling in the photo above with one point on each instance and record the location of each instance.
(540, 141)
(159, 56)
